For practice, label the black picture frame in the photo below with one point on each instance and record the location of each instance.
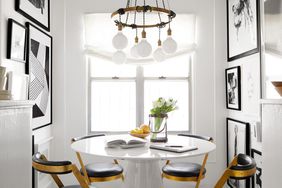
(233, 90)
(255, 179)
(30, 9)
(254, 25)
(238, 140)
(39, 71)
(15, 41)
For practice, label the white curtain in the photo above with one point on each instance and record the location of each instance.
(99, 29)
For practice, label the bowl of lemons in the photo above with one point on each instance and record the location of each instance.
(141, 132)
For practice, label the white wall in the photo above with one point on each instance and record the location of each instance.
(209, 109)
(70, 78)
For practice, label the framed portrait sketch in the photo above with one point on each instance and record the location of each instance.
(257, 179)
(233, 88)
(37, 11)
(242, 28)
(39, 68)
(16, 41)
(238, 141)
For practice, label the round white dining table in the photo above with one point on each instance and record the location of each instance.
(143, 168)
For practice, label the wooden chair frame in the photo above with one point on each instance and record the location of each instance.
(196, 179)
(234, 173)
(55, 170)
(90, 180)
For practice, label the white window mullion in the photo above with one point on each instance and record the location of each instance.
(139, 96)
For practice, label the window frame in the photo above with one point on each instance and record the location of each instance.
(140, 81)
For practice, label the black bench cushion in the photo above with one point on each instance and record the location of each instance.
(100, 170)
(183, 169)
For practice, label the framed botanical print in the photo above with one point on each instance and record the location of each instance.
(233, 88)
(243, 36)
(257, 179)
(238, 141)
(16, 41)
(39, 68)
(37, 11)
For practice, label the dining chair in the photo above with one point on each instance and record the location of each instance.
(242, 167)
(55, 168)
(185, 171)
(98, 172)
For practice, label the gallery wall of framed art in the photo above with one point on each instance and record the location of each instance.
(233, 88)
(37, 11)
(238, 141)
(39, 68)
(243, 28)
(29, 42)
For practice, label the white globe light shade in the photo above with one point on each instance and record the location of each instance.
(134, 51)
(144, 48)
(169, 45)
(119, 57)
(120, 41)
(159, 55)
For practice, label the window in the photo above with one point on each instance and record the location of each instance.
(121, 95)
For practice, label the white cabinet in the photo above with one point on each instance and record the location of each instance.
(272, 143)
(15, 144)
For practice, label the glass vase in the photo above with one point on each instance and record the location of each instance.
(158, 126)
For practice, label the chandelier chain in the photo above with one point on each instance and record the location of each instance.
(144, 17)
(159, 12)
(127, 15)
(135, 17)
(163, 4)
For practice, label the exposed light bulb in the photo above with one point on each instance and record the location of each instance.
(169, 45)
(119, 57)
(134, 51)
(159, 54)
(120, 41)
(144, 48)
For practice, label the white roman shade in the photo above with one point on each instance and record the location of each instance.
(99, 30)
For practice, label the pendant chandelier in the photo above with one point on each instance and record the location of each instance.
(129, 17)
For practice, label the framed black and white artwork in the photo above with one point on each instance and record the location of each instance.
(242, 28)
(39, 68)
(16, 41)
(37, 11)
(238, 141)
(233, 88)
(257, 179)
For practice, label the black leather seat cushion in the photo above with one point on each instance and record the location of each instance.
(245, 162)
(183, 169)
(100, 170)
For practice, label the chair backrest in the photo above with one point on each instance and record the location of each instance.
(245, 167)
(241, 167)
(207, 138)
(40, 163)
(85, 137)
(55, 168)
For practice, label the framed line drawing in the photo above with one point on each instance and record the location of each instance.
(257, 179)
(39, 68)
(37, 11)
(243, 36)
(238, 141)
(16, 41)
(233, 88)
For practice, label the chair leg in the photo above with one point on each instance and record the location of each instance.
(220, 183)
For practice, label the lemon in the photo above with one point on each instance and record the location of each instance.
(145, 128)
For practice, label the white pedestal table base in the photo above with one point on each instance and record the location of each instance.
(143, 174)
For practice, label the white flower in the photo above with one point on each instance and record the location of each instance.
(155, 104)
